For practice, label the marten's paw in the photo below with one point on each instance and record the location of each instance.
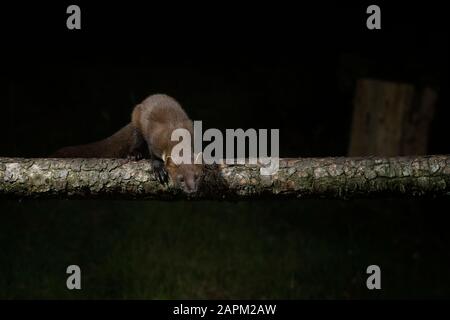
(135, 156)
(160, 171)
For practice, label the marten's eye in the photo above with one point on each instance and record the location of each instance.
(195, 176)
(180, 178)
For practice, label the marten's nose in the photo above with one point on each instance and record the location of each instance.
(189, 190)
(190, 186)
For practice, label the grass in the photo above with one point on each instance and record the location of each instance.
(296, 249)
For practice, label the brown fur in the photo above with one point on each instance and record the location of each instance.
(156, 118)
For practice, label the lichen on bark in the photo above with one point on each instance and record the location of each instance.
(297, 178)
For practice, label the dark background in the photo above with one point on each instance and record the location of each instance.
(232, 66)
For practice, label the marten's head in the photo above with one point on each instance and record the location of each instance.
(184, 176)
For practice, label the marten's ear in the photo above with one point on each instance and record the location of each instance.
(169, 162)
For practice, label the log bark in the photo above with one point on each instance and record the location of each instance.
(296, 178)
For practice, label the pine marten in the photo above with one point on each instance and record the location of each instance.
(147, 136)
(125, 143)
(156, 118)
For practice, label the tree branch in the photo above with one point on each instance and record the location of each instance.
(297, 178)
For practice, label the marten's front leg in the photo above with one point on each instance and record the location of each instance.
(160, 170)
(158, 167)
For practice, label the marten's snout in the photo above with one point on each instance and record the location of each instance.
(186, 177)
(190, 185)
